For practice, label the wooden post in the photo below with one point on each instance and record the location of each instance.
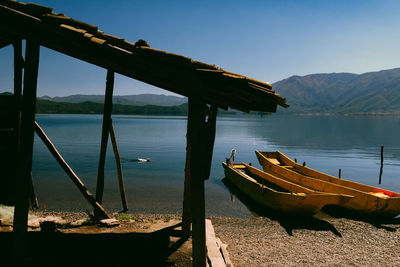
(104, 135)
(25, 149)
(200, 142)
(18, 65)
(380, 173)
(119, 167)
(340, 173)
(85, 192)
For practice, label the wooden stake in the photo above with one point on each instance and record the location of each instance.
(85, 192)
(25, 149)
(34, 200)
(104, 135)
(119, 168)
(380, 173)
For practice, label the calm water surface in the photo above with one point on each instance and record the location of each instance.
(325, 143)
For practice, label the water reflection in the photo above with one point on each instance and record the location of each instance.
(325, 143)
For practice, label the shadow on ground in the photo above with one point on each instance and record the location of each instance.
(389, 224)
(104, 249)
(289, 222)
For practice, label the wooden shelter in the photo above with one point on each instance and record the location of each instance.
(206, 86)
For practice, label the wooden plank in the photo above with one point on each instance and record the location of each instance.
(225, 254)
(119, 168)
(213, 248)
(71, 174)
(104, 135)
(25, 150)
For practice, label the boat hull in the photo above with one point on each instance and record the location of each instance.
(287, 202)
(364, 201)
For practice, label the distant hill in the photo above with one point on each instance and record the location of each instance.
(136, 100)
(342, 93)
(51, 107)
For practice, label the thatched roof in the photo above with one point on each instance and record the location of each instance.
(172, 72)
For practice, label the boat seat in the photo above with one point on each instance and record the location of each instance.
(274, 161)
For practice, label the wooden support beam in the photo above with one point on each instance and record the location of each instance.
(18, 66)
(200, 142)
(187, 199)
(85, 192)
(104, 135)
(25, 149)
(119, 168)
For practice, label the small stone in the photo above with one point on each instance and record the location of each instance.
(78, 222)
(109, 222)
(35, 223)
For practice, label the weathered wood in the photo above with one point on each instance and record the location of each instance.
(171, 72)
(34, 200)
(25, 149)
(85, 192)
(200, 141)
(119, 168)
(209, 136)
(104, 135)
(196, 122)
(213, 247)
(18, 65)
(187, 199)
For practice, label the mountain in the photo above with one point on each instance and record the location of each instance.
(342, 93)
(137, 100)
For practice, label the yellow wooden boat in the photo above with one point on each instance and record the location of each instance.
(278, 194)
(367, 199)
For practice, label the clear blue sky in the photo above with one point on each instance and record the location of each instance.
(265, 40)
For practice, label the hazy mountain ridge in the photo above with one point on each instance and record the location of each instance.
(135, 100)
(326, 93)
(342, 93)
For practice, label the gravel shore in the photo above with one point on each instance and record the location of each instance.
(322, 240)
(309, 241)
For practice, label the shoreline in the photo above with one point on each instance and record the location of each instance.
(321, 240)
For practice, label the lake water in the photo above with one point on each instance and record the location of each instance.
(324, 143)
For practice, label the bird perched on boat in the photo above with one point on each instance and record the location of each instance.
(232, 157)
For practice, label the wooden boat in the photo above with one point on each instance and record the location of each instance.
(367, 199)
(278, 194)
